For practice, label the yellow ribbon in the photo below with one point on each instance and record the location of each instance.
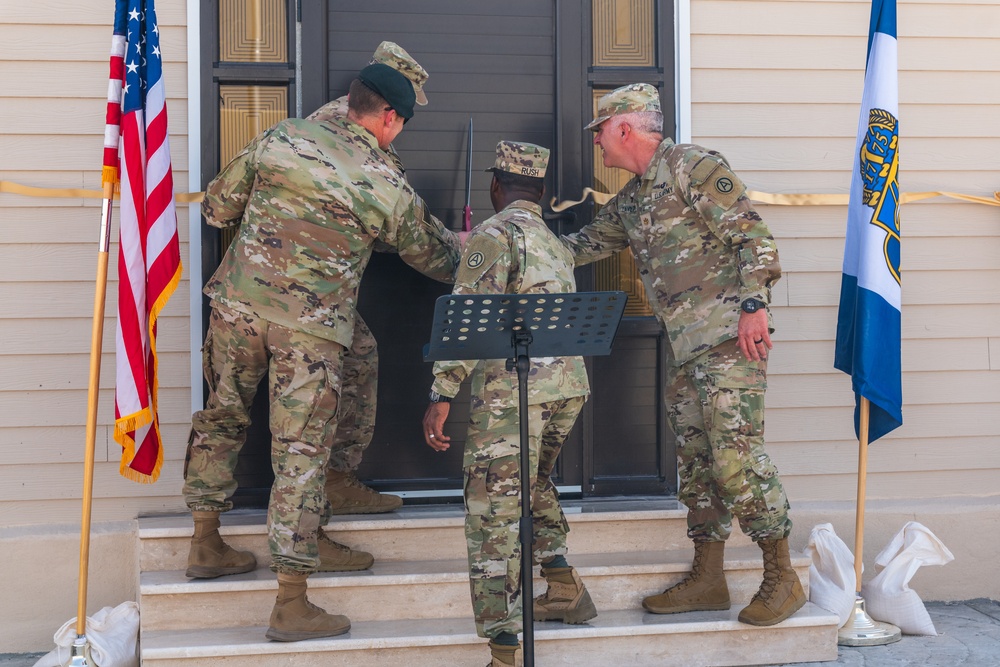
(600, 198)
(72, 193)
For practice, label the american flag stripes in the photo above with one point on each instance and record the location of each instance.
(149, 265)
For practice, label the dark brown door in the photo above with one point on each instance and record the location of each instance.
(522, 70)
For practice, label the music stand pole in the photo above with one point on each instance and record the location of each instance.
(521, 339)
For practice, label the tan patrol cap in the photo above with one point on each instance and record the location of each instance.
(627, 99)
(520, 158)
(396, 57)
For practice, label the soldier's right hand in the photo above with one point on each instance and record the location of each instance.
(434, 419)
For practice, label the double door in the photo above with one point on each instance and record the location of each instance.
(522, 70)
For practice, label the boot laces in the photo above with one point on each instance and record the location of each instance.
(333, 543)
(696, 567)
(772, 573)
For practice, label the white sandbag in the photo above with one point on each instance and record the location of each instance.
(112, 633)
(832, 582)
(888, 597)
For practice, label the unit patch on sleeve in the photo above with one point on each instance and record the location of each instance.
(714, 178)
(481, 254)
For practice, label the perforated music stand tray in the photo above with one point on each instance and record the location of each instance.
(506, 326)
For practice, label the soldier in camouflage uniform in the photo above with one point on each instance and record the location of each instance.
(344, 492)
(311, 200)
(514, 252)
(708, 263)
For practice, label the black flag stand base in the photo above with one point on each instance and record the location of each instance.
(862, 630)
(505, 326)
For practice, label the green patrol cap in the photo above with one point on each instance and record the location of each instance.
(396, 57)
(627, 99)
(518, 157)
(394, 88)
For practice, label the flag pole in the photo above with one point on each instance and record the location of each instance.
(80, 651)
(861, 629)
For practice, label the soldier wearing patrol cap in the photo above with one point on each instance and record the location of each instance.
(356, 428)
(514, 252)
(310, 199)
(708, 262)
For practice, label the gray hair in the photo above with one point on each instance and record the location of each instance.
(644, 122)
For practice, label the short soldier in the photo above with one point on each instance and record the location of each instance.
(345, 493)
(514, 252)
(311, 199)
(708, 263)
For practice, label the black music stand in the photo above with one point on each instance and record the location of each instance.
(505, 326)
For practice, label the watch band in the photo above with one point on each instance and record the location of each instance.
(439, 398)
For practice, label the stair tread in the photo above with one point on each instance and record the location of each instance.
(436, 632)
(385, 573)
(243, 522)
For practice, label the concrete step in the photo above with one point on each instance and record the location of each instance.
(395, 590)
(709, 639)
(435, 532)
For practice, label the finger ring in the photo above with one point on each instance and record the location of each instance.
(430, 435)
(756, 342)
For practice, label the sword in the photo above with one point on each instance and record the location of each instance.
(467, 212)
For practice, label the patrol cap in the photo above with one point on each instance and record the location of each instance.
(627, 99)
(396, 57)
(520, 158)
(394, 88)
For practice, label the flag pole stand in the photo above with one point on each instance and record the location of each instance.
(80, 651)
(861, 629)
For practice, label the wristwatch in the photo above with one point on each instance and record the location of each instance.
(438, 398)
(752, 305)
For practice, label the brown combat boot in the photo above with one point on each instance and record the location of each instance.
(337, 557)
(566, 598)
(295, 618)
(349, 496)
(506, 656)
(780, 593)
(209, 556)
(704, 589)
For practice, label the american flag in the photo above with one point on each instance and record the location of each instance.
(149, 265)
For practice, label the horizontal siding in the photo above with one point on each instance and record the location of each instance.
(54, 65)
(785, 113)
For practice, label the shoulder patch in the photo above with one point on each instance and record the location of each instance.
(714, 178)
(479, 256)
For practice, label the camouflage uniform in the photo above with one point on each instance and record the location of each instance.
(311, 200)
(701, 250)
(360, 388)
(512, 252)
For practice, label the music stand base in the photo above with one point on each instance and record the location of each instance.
(862, 630)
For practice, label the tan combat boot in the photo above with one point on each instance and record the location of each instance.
(349, 496)
(209, 556)
(704, 589)
(336, 557)
(566, 598)
(295, 618)
(506, 656)
(780, 593)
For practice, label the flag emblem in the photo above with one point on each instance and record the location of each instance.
(879, 166)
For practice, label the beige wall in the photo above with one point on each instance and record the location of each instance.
(775, 86)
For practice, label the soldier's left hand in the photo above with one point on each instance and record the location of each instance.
(752, 335)
(434, 419)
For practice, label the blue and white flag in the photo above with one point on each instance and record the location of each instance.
(868, 340)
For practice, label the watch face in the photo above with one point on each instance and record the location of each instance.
(749, 306)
